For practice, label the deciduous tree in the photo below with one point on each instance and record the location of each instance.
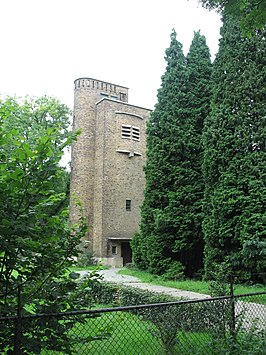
(36, 243)
(251, 14)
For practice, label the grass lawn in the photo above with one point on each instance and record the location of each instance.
(112, 334)
(187, 285)
(126, 333)
(130, 334)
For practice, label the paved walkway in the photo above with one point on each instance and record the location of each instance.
(111, 275)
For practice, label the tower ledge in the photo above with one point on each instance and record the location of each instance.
(97, 84)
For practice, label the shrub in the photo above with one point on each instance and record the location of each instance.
(85, 257)
(175, 271)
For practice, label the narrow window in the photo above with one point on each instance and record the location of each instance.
(114, 249)
(123, 96)
(128, 205)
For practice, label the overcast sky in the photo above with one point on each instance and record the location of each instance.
(47, 44)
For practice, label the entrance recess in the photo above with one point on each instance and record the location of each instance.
(126, 253)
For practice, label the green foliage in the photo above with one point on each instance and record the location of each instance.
(85, 257)
(116, 295)
(136, 246)
(234, 155)
(250, 13)
(174, 272)
(155, 236)
(172, 209)
(36, 243)
(178, 324)
(219, 283)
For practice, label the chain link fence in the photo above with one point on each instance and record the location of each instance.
(220, 325)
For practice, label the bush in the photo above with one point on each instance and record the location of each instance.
(175, 271)
(85, 258)
(115, 295)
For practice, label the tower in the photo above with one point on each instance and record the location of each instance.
(107, 167)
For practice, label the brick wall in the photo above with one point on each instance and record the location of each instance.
(106, 167)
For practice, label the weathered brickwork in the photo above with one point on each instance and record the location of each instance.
(107, 167)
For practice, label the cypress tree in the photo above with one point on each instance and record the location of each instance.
(198, 107)
(163, 144)
(234, 159)
(171, 237)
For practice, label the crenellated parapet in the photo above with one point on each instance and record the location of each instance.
(104, 88)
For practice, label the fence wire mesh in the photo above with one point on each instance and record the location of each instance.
(221, 325)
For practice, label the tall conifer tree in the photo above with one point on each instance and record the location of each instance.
(157, 235)
(171, 214)
(235, 154)
(198, 107)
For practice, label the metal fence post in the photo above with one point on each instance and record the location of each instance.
(18, 323)
(232, 306)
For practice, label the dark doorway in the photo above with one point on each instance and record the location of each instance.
(126, 253)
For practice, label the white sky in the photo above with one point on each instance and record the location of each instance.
(47, 44)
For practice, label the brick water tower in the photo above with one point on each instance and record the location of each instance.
(107, 167)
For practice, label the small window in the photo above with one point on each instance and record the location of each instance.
(103, 94)
(123, 96)
(114, 249)
(128, 205)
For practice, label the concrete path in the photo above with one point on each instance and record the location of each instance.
(111, 275)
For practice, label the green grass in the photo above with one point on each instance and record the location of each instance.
(126, 333)
(187, 285)
(112, 334)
